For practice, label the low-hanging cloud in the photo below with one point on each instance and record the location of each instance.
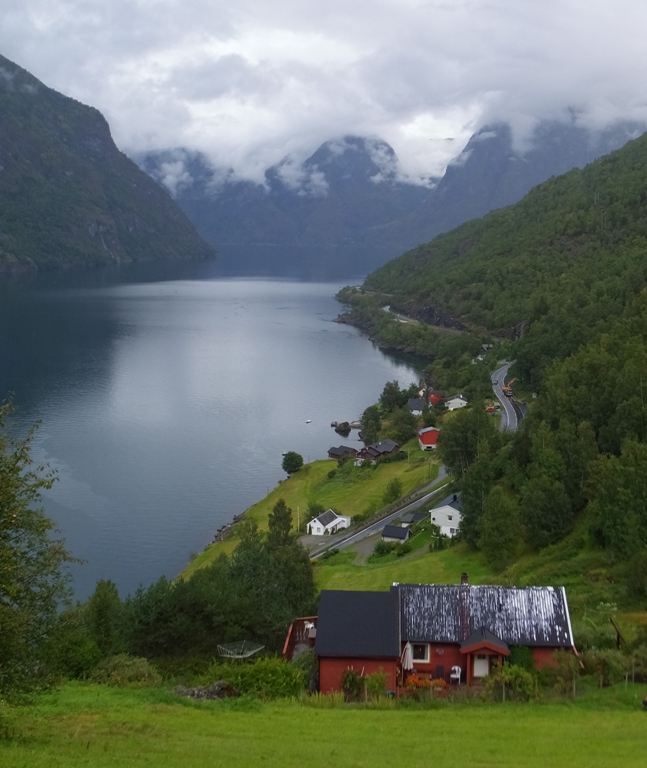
(251, 83)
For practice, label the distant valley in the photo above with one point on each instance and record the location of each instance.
(349, 193)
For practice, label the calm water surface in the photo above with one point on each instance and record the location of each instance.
(167, 396)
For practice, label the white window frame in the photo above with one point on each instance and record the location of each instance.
(426, 659)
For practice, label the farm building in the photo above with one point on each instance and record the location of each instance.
(428, 438)
(453, 632)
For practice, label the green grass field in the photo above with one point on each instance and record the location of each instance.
(97, 726)
(444, 567)
(348, 494)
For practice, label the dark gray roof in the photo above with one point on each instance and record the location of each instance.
(413, 517)
(327, 517)
(417, 404)
(534, 616)
(395, 532)
(384, 446)
(453, 501)
(483, 635)
(342, 450)
(358, 624)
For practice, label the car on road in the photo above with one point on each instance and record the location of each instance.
(495, 381)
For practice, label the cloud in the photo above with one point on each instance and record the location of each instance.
(251, 82)
(306, 182)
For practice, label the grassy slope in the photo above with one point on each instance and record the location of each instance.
(97, 726)
(421, 567)
(348, 496)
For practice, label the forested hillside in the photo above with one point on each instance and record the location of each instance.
(552, 270)
(68, 196)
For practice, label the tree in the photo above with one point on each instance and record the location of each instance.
(392, 396)
(500, 529)
(33, 582)
(393, 491)
(280, 525)
(403, 425)
(292, 462)
(464, 437)
(545, 511)
(104, 612)
(371, 425)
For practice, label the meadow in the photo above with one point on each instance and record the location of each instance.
(91, 725)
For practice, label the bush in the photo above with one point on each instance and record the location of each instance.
(265, 678)
(403, 549)
(383, 548)
(393, 491)
(509, 682)
(521, 656)
(308, 662)
(376, 684)
(126, 671)
(564, 673)
(352, 685)
(608, 666)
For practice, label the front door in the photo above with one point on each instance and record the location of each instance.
(481, 665)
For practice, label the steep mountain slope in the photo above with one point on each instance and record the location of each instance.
(346, 188)
(348, 192)
(67, 195)
(554, 269)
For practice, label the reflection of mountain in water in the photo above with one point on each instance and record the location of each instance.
(346, 210)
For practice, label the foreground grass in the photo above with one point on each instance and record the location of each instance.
(98, 726)
(348, 494)
(444, 567)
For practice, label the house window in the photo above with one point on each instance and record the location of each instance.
(450, 517)
(420, 652)
(433, 519)
(452, 531)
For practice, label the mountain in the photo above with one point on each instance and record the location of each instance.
(335, 198)
(491, 173)
(68, 196)
(349, 194)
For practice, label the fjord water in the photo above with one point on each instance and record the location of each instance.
(167, 394)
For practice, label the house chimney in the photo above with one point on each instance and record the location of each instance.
(464, 578)
(454, 497)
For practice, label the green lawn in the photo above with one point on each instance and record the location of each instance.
(100, 727)
(350, 492)
(444, 567)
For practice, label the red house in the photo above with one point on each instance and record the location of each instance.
(436, 396)
(453, 632)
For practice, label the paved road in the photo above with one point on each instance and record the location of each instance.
(510, 419)
(353, 538)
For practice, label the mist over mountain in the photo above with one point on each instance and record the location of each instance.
(68, 196)
(349, 193)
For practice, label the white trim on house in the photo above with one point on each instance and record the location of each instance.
(424, 660)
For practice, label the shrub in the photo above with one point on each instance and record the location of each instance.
(609, 666)
(376, 684)
(521, 656)
(265, 678)
(123, 670)
(563, 675)
(403, 549)
(308, 663)
(507, 681)
(393, 491)
(352, 685)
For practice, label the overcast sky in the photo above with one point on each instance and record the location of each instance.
(249, 81)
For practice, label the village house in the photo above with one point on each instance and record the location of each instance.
(327, 523)
(456, 401)
(436, 396)
(452, 632)
(447, 515)
(411, 518)
(416, 405)
(342, 452)
(428, 438)
(396, 533)
(377, 450)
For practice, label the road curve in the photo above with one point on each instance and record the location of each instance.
(510, 420)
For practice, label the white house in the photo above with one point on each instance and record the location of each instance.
(328, 523)
(447, 515)
(457, 401)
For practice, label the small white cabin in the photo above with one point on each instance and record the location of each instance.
(327, 523)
